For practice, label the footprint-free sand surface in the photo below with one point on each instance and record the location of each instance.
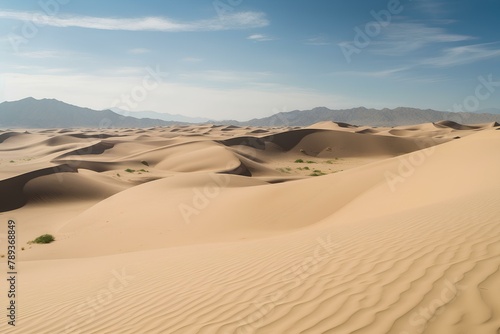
(331, 228)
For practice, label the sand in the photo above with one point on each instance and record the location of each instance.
(332, 228)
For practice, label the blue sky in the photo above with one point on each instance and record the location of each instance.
(239, 59)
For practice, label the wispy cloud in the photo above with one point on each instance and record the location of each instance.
(44, 54)
(403, 38)
(376, 74)
(36, 69)
(464, 55)
(139, 51)
(260, 38)
(433, 8)
(318, 41)
(231, 21)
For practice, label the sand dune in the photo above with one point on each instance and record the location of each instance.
(222, 229)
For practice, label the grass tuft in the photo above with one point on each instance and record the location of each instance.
(44, 239)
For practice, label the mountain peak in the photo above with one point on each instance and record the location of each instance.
(51, 113)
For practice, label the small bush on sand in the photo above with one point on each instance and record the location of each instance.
(44, 239)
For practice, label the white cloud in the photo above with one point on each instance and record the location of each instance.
(42, 54)
(376, 74)
(260, 38)
(403, 38)
(463, 55)
(139, 51)
(241, 20)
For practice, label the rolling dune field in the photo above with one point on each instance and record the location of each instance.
(331, 228)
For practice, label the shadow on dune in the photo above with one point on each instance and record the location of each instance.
(11, 190)
(7, 135)
(285, 140)
(241, 170)
(98, 148)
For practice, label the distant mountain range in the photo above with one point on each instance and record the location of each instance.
(489, 111)
(50, 113)
(371, 117)
(163, 116)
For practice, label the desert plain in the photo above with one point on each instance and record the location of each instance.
(331, 228)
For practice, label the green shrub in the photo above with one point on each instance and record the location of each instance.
(317, 172)
(145, 163)
(44, 239)
(310, 162)
(128, 170)
(299, 161)
(283, 170)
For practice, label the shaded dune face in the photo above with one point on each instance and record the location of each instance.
(332, 228)
(11, 189)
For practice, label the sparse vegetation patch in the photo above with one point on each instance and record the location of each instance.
(44, 239)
